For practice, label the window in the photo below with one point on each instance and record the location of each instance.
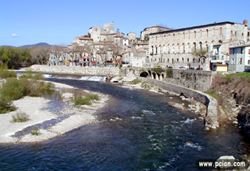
(187, 59)
(193, 60)
(194, 34)
(200, 45)
(221, 31)
(177, 59)
(241, 60)
(241, 50)
(248, 62)
(183, 59)
(194, 46)
(248, 51)
(207, 32)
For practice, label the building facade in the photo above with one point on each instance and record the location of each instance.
(152, 29)
(239, 58)
(203, 47)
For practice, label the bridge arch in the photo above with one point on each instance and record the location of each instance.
(144, 74)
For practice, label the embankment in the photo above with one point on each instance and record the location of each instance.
(211, 119)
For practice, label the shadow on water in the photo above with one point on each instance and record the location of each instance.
(136, 131)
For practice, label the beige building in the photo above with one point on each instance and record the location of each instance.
(152, 29)
(198, 47)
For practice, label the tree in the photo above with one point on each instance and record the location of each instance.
(201, 54)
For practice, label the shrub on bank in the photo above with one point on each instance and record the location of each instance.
(169, 73)
(35, 132)
(86, 100)
(135, 81)
(5, 107)
(5, 73)
(145, 85)
(20, 117)
(32, 75)
(14, 89)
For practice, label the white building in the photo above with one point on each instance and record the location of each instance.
(239, 58)
(197, 46)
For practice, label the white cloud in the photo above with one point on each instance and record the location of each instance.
(14, 35)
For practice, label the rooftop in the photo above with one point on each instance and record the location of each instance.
(194, 27)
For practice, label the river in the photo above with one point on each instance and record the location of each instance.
(137, 131)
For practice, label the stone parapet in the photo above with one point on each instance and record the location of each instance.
(92, 71)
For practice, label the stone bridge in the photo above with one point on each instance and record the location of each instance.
(195, 79)
(77, 70)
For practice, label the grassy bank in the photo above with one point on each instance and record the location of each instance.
(231, 90)
(14, 89)
(85, 100)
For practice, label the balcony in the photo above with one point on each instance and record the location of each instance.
(217, 58)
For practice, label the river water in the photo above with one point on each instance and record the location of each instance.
(137, 131)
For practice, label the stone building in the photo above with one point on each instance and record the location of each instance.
(134, 57)
(132, 38)
(152, 29)
(200, 47)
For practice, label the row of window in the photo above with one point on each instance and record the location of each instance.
(206, 32)
(163, 60)
(166, 49)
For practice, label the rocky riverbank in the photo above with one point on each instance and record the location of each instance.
(47, 117)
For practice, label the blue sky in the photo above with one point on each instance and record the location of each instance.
(59, 21)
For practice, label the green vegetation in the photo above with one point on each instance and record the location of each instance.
(20, 117)
(213, 93)
(86, 100)
(5, 73)
(200, 53)
(35, 132)
(242, 75)
(14, 89)
(169, 73)
(158, 70)
(31, 75)
(236, 86)
(5, 107)
(135, 81)
(145, 85)
(15, 57)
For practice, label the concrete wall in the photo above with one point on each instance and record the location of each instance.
(96, 71)
(211, 119)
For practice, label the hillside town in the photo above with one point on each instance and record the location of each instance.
(221, 46)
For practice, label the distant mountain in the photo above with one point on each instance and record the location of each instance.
(41, 44)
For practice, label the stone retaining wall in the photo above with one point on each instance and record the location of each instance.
(211, 119)
(194, 79)
(95, 71)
